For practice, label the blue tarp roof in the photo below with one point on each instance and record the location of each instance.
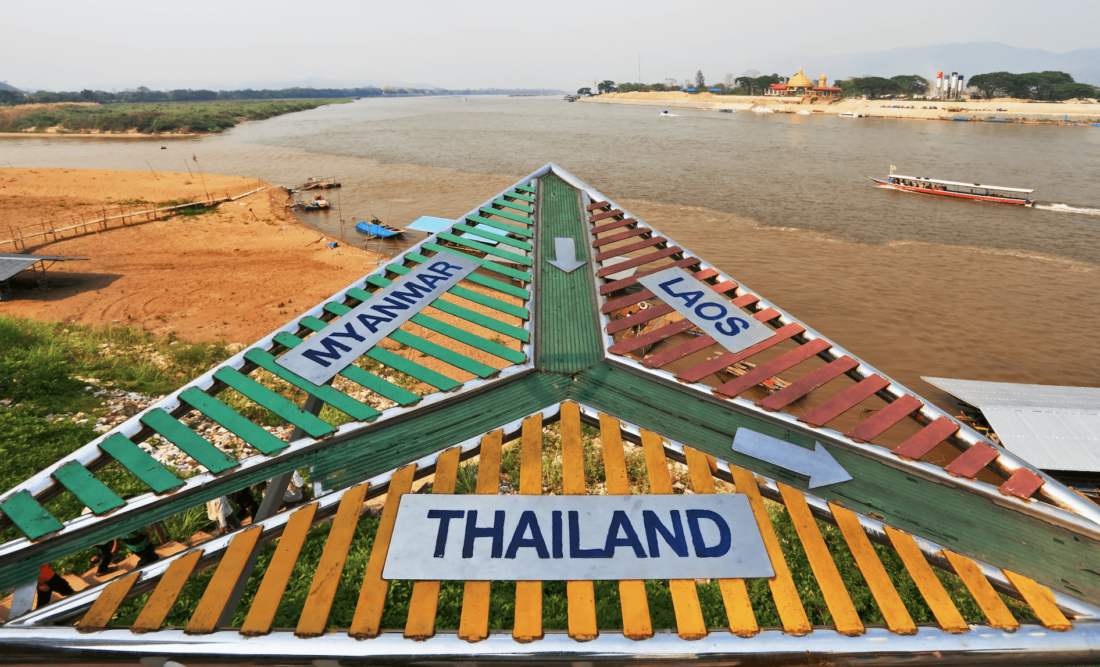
(431, 225)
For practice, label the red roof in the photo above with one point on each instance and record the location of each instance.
(779, 86)
(826, 88)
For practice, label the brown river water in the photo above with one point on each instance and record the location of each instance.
(915, 285)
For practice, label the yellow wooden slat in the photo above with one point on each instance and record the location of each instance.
(167, 591)
(270, 593)
(1041, 601)
(372, 596)
(828, 578)
(582, 595)
(685, 594)
(637, 623)
(947, 615)
(528, 626)
(205, 618)
(889, 602)
(315, 612)
(791, 613)
(425, 596)
(735, 595)
(995, 610)
(474, 623)
(105, 606)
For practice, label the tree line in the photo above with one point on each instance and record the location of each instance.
(1047, 86)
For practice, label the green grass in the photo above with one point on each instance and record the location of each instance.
(154, 118)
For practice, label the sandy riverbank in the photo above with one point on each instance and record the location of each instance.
(1019, 110)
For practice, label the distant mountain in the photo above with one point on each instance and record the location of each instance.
(318, 82)
(968, 59)
(5, 86)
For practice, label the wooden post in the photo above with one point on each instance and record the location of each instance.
(103, 209)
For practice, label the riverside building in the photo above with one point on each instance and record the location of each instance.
(800, 85)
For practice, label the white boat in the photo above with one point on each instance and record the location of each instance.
(762, 110)
(850, 114)
(803, 113)
(975, 191)
(666, 114)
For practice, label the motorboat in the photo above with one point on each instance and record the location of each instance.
(976, 191)
(377, 229)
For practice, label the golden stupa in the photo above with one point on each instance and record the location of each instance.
(800, 80)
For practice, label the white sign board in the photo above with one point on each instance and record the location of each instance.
(563, 538)
(727, 324)
(330, 351)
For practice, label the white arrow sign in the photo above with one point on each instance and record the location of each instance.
(818, 465)
(566, 255)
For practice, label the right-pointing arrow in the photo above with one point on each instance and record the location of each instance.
(818, 464)
(565, 253)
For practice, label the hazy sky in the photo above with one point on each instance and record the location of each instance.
(485, 43)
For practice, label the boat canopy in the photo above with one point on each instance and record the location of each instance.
(964, 185)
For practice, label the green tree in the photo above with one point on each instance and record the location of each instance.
(762, 82)
(1068, 91)
(873, 86)
(1042, 85)
(911, 84)
(606, 86)
(584, 92)
(990, 85)
(700, 80)
(748, 80)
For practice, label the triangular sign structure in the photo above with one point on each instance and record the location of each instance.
(642, 347)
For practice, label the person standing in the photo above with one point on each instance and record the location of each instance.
(50, 582)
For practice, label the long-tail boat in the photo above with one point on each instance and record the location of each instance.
(976, 191)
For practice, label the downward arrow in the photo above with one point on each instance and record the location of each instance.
(818, 465)
(566, 255)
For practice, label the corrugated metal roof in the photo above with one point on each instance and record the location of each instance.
(12, 263)
(1053, 428)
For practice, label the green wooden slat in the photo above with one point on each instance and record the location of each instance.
(413, 369)
(192, 444)
(505, 214)
(29, 517)
(443, 354)
(337, 308)
(503, 226)
(490, 302)
(326, 393)
(311, 322)
(487, 249)
(93, 493)
(138, 461)
(522, 245)
(239, 425)
(471, 339)
(516, 195)
(511, 204)
(482, 320)
(484, 281)
(485, 264)
(525, 188)
(465, 293)
(361, 377)
(261, 395)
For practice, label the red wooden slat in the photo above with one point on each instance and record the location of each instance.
(639, 261)
(808, 383)
(837, 405)
(787, 360)
(926, 439)
(972, 460)
(702, 370)
(767, 315)
(599, 204)
(637, 297)
(724, 286)
(640, 317)
(651, 337)
(878, 423)
(705, 274)
(1023, 484)
(616, 285)
(637, 231)
(605, 215)
(615, 252)
(701, 343)
(600, 229)
(745, 300)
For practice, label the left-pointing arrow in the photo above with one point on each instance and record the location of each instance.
(818, 464)
(565, 255)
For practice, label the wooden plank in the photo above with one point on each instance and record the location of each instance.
(599, 204)
(490, 323)
(413, 369)
(787, 602)
(242, 427)
(495, 304)
(947, 615)
(473, 340)
(318, 603)
(192, 444)
(828, 578)
(261, 395)
(166, 593)
(735, 595)
(616, 285)
(443, 354)
(745, 300)
(970, 462)
(807, 383)
(506, 215)
(768, 369)
(1022, 484)
(495, 267)
(621, 236)
(516, 195)
(481, 233)
(337, 399)
(1041, 601)
(639, 261)
(850, 397)
(511, 204)
(372, 596)
(145, 467)
(889, 602)
(502, 226)
(637, 623)
(270, 593)
(655, 336)
(220, 588)
(525, 188)
(616, 224)
(487, 249)
(473, 626)
(105, 606)
(712, 366)
(424, 602)
(622, 250)
(926, 439)
(995, 610)
(640, 317)
(881, 421)
(361, 377)
(93, 493)
(605, 215)
(685, 595)
(528, 625)
(581, 594)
